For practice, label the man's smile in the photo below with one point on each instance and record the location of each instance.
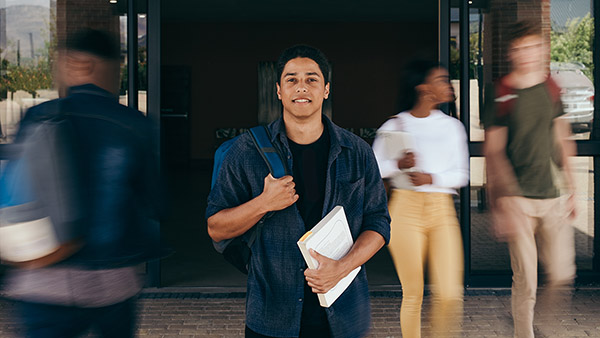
(301, 100)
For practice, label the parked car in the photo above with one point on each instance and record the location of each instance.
(577, 94)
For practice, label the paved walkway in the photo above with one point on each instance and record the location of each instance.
(487, 314)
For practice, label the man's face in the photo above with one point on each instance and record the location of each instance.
(527, 53)
(302, 88)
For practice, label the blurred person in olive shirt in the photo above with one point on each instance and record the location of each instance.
(526, 144)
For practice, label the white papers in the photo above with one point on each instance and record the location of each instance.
(396, 143)
(331, 238)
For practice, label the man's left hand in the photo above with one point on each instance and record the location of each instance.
(417, 178)
(326, 276)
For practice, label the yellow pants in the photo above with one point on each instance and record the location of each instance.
(425, 232)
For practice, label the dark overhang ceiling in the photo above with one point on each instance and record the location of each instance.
(299, 11)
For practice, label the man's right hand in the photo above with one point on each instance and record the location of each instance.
(279, 193)
(407, 161)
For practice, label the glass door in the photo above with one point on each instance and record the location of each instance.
(478, 58)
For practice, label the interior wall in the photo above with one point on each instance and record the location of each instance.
(223, 59)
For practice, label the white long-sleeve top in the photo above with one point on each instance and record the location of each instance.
(441, 150)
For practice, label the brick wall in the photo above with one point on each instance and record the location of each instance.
(502, 14)
(72, 15)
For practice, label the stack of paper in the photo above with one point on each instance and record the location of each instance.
(331, 238)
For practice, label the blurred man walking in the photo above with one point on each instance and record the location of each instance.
(526, 144)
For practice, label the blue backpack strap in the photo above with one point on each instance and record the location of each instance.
(274, 160)
(271, 155)
(219, 157)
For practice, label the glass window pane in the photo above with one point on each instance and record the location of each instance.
(571, 61)
(142, 48)
(27, 46)
(29, 33)
(142, 63)
(567, 30)
(583, 172)
(487, 254)
(123, 39)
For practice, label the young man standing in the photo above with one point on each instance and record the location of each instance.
(329, 167)
(526, 139)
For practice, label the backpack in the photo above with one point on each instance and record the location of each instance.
(40, 211)
(45, 201)
(505, 95)
(238, 250)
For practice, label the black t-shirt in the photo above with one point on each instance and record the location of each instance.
(309, 169)
(309, 172)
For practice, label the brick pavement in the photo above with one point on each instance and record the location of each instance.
(487, 314)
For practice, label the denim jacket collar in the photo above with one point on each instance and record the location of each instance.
(337, 141)
(91, 89)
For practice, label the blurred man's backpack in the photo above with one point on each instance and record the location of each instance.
(238, 250)
(62, 203)
(40, 212)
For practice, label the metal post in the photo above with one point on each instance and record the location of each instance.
(596, 136)
(444, 40)
(153, 30)
(444, 33)
(132, 55)
(31, 46)
(465, 198)
(480, 80)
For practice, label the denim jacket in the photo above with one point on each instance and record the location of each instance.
(275, 288)
(120, 182)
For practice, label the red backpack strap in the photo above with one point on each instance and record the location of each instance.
(504, 98)
(554, 89)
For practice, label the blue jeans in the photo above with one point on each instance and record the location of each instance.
(54, 321)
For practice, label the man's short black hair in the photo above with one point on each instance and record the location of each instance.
(95, 42)
(303, 51)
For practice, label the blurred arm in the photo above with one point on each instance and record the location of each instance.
(501, 180)
(458, 175)
(568, 148)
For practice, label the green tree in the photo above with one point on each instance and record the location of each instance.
(29, 79)
(142, 72)
(473, 57)
(31, 76)
(575, 44)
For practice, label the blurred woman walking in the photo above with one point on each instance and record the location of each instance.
(423, 174)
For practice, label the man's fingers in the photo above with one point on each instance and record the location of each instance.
(286, 179)
(316, 288)
(317, 256)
